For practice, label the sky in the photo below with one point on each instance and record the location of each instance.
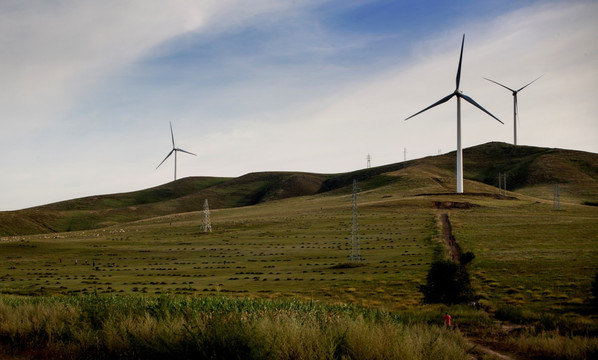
(88, 88)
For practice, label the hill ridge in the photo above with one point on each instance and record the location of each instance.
(531, 171)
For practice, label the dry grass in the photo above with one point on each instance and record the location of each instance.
(552, 345)
(139, 328)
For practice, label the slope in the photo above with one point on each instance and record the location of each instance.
(530, 171)
(183, 195)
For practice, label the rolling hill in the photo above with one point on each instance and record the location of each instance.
(531, 171)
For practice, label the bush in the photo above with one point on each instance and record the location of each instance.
(510, 313)
(466, 258)
(447, 283)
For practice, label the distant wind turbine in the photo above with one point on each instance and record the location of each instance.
(174, 150)
(515, 109)
(459, 94)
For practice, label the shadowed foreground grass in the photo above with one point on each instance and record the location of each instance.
(219, 328)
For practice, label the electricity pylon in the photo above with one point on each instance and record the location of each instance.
(207, 224)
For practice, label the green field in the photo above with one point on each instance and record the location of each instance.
(529, 258)
(286, 248)
(526, 253)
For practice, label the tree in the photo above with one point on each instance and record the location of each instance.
(466, 258)
(447, 282)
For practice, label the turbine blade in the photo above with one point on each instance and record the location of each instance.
(172, 135)
(460, 61)
(472, 102)
(443, 100)
(508, 88)
(167, 156)
(530, 83)
(185, 151)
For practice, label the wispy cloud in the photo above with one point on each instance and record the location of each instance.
(89, 87)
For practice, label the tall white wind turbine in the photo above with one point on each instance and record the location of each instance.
(459, 94)
(174, 150)
(515, 108)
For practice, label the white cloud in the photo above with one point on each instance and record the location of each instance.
(317, 115)
(54, 50)
(367, 116)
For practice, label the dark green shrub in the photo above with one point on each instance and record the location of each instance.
(467, 258)
(511, 313)
(447, 283)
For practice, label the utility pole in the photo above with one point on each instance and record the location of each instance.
(207, 224)
(355, 253)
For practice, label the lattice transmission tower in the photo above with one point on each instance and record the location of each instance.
(502, 183)
(557, 198)
(207, 224)
(355, 253)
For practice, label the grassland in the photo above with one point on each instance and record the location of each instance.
(530, 171)
(533, 265)
(286, 248)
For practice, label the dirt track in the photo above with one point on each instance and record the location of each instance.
(447, 235)
(455, 253)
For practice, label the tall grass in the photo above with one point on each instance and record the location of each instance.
(223, 328)
(552, 345)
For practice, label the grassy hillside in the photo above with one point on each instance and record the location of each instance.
(533, 265)
(183, 195)
(530, 171)
(291, 248)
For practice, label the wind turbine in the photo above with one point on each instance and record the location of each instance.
(174, 150)
(459, 94)
(515, 109)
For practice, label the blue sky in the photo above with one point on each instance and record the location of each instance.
(89, 87)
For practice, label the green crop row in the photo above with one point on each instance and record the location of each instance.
(145, 328)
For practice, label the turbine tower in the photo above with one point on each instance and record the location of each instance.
(459, 94)
(515, 109)
(174, 150)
